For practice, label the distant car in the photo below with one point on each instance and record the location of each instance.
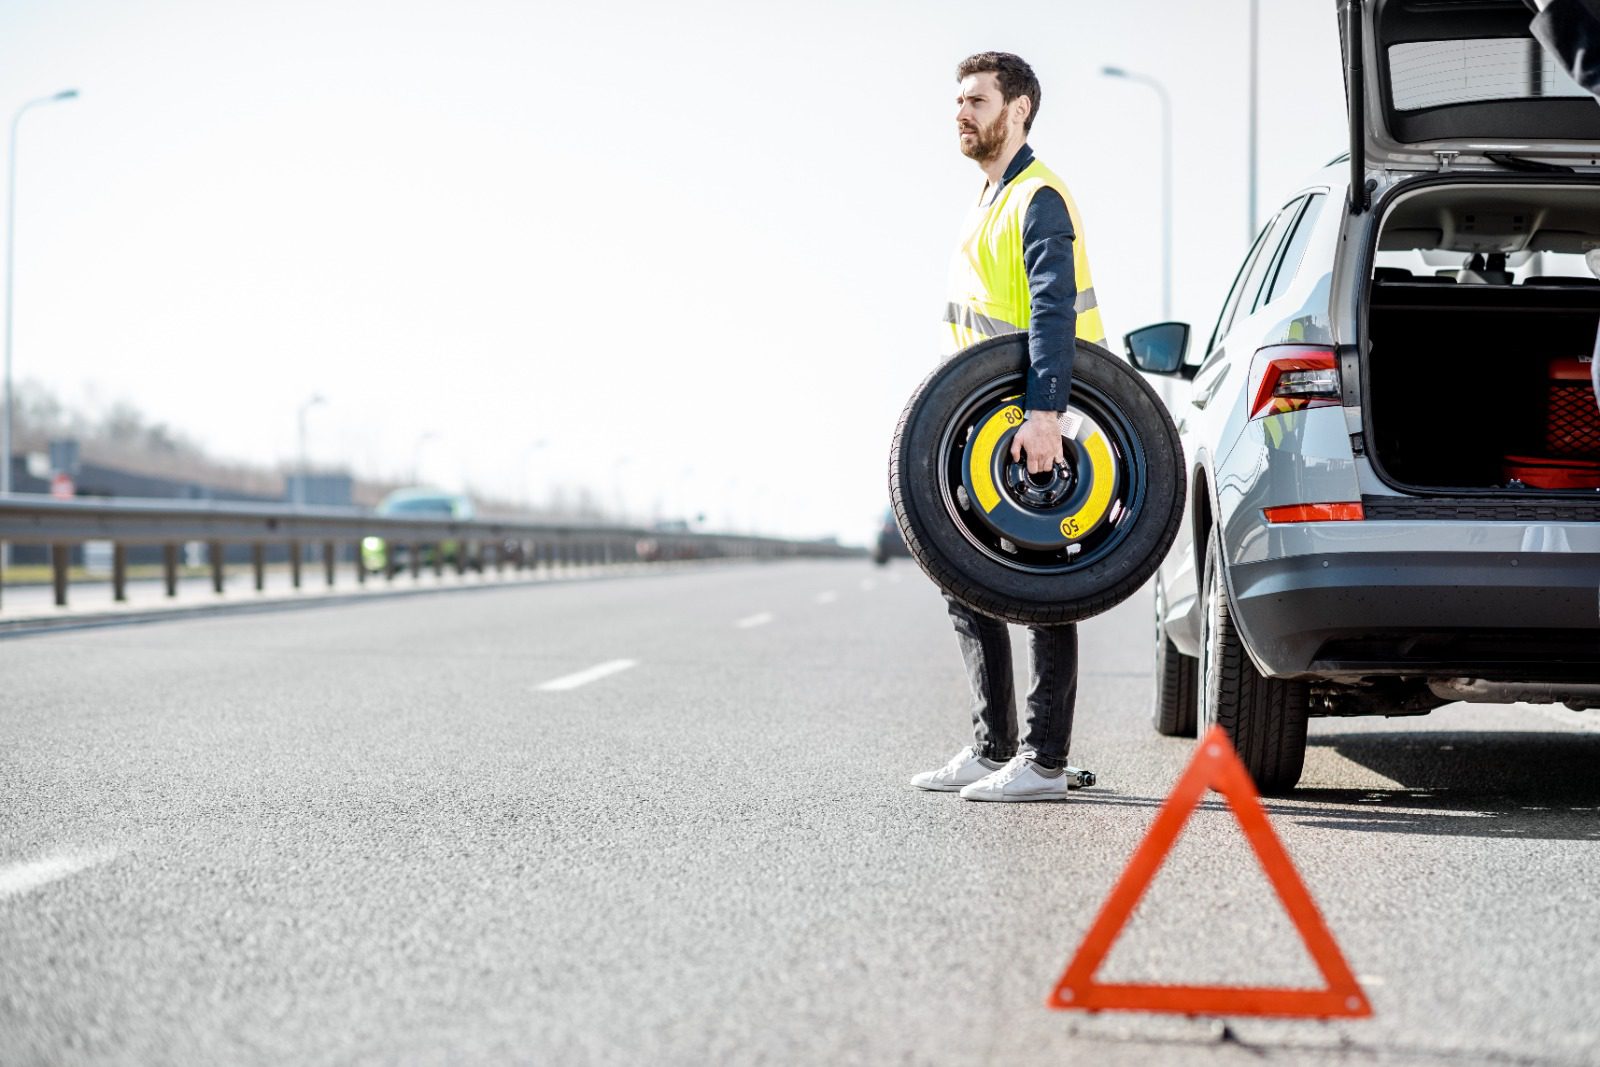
(889, 543)
(377, 554)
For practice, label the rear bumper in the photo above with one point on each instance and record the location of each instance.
(1511, 602)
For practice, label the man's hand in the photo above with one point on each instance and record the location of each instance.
(1040, 438)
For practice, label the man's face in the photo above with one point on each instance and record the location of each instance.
(982, 117)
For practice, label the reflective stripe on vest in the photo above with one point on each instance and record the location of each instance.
(988, 284)
(967, 319)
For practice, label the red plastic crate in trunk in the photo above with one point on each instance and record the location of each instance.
(1571, 458)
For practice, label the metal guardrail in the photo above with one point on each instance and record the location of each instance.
(61, 524)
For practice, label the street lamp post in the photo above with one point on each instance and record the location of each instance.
(1166, 179)
(11, 230)
(305, 462)
(1255, 82)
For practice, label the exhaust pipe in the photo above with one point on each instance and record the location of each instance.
(1575, 695)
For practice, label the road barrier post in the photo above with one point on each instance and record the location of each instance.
(60, 559)
(215, 550)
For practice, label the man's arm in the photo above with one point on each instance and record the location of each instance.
(1570, 31)
(1047, 238)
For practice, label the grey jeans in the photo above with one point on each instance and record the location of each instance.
(1052, 694)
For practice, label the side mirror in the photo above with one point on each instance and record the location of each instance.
(1159, 349)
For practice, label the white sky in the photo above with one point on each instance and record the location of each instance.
(699, 248)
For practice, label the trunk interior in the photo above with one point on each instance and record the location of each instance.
(1481, 331)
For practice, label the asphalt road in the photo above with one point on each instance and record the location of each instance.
(665, 819)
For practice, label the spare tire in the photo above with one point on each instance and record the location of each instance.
(1046, 549)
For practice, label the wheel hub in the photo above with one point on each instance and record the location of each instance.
(1039, 491)
(1052, 511)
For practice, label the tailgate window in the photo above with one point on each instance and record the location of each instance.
(1425, 74)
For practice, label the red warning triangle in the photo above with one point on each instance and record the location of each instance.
(1216, 765)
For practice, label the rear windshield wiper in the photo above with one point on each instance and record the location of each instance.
(1511, 162)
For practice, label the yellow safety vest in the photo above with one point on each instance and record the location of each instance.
(988, 284)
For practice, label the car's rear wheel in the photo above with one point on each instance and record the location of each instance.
(1038, 550)
(1264, 717)
(1177, 678)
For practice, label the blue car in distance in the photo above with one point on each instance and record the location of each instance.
(379, 556)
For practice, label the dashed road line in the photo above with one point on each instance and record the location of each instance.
(591, 674)
(868, 585)
(827, 598)
(22, 877)
(752, 621)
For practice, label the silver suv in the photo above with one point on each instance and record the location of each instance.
(1392, 440)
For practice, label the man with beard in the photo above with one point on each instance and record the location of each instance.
(1021, 267)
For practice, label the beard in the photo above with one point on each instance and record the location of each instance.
(986, 142)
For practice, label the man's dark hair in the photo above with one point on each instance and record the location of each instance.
(1016, 78)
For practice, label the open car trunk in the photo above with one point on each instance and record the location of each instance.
(1482, 315)
(1483, 386)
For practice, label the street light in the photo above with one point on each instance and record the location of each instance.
(1255, 79)
(11, 230)
(305, 463)
(1166, 179)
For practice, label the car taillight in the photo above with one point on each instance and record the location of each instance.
(1315, 512)
(1292, 377)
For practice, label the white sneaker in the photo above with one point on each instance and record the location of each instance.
(964, 768)
(1018, 780)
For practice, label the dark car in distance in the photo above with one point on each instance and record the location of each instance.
(889, 543)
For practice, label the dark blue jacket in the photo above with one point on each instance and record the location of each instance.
(1047, 238)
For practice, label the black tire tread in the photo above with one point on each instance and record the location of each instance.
(1177, 691)
(953, 582)
(1264, 717)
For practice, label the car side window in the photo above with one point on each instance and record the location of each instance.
(1294, 252)
(1250, 296)
(1233, 294)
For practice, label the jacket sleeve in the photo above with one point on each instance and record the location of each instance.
(1570, 31)
(1047, 238)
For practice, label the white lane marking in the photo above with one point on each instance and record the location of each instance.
(827, 598)
(22, 877)
(868, 585)
(584, 677)
(752, 621)
(894, 576)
